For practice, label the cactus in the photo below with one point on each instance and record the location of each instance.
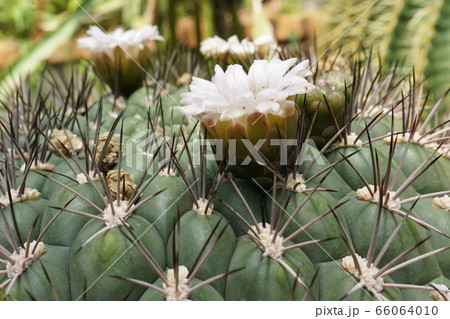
(110, 198)
(411, 33)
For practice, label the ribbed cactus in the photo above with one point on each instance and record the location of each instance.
(413, 33)
(112, 198)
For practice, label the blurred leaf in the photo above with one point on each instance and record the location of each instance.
(104, 8)
(207, 17)
(43, 49)
(131, 10)
(237, 28)
(17, 18)
(260, 23)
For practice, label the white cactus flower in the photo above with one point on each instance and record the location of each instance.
(266, 45)
(124, 51)
(213, 46)
(219, 48)
(241, 48)
(130, 40)
(265, 40)
(232, 94)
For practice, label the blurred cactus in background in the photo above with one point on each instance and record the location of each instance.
(411, 33)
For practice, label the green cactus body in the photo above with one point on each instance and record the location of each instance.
(363, 163)
(360, 160)
(192, 220)
(171, 104)
(334, 182)
(206, 293)
(139, 97)
(243, 135)
(25, 214)
(434, 179)
(112, 254)
(140, 100)
(136, 174)
(194, 231)
(210, 174)
(428, 210)
(34, 180)
(107, 103)
(425, 295)
(228, 194)
(162, 211)
(319, 203)
(373, 27)
(34, 279)
(50, 187)
(331, 92)
(263, 278)
(66, 226)
(361, 221)
(381, 128)
(334, 283)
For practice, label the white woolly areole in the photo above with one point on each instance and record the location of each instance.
(21, 263)
(183, 291)
(168, 172)
(444, 291)
(118, 101)
(445, 151)
(404, 138)
(142, 152)
(365, 194)
(296, 184)
(92, 126)
(28, 194)
(120, 214)
(82, 179)
(149, 100)
(442, 202)
(113, 114)
(352, 141)
(367, 273)
(372, 111)
(201, 209)
(39, 166)
(272, 249)
(9, 150)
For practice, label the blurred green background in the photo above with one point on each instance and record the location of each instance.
(26, 23)
(415, 33)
